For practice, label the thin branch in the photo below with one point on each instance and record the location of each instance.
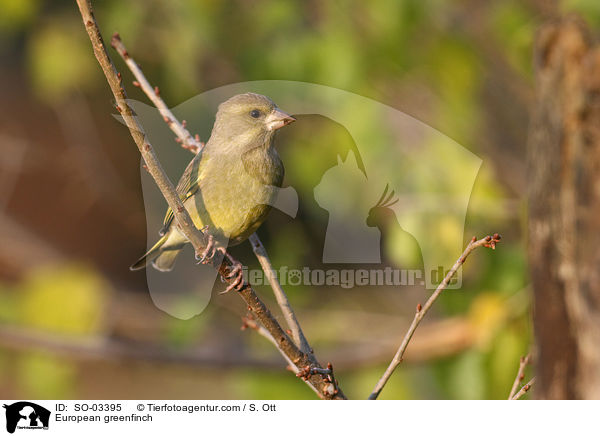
(488, 241)
(282, 300)
(520, 375)
(182, 218)
(188, 141)
(524, 389)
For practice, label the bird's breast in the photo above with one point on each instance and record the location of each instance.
(238, 195)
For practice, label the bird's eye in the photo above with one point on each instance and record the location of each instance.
(255, 113)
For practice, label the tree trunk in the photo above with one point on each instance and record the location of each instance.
(564, 214)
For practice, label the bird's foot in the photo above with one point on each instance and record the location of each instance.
(209, 251)
(235, 274)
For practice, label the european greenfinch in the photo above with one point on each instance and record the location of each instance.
(228, 187)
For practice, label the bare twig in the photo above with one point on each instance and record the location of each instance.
(524, 389)
(182, 218)
(520, 375)
(188, 141)
(488, 241)
(282, 300)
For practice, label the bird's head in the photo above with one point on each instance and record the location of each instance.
(247, 118)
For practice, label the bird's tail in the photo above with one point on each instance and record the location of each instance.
(162, 259)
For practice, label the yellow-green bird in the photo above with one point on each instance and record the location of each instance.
(228, 187)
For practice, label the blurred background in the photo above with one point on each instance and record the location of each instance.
(76, 323)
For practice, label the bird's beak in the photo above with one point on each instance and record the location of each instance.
(277, 119)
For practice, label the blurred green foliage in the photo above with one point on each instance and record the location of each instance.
(54, 74)
(68, 300)
(17, 14)
(427, 52)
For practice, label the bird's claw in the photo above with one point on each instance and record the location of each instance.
(209, 251)
(235, 274)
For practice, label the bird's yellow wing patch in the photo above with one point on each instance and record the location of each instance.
(187, 186)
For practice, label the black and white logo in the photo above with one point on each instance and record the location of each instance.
(26, 415)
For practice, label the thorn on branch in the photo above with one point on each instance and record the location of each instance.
(137, 84)
(157, 91)
(419, 307)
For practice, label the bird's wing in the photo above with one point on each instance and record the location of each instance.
(187, 186)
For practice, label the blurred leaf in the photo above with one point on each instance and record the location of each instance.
(504, 357)
(589, 9)
(67, 299)
(44, 376)
(264, 385)
(16, 13)
(359, 384)
(487, 314)
(60, 62)
(515, 27)
(8, 304)
(467, 379)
